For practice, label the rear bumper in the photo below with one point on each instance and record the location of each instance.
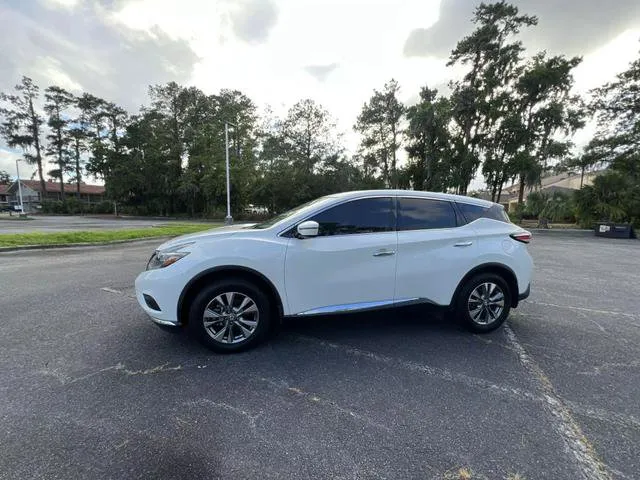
(522, 296)
(525, 294)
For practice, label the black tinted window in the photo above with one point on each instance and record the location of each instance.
(474, 212)
(359, 216)
(422, 213)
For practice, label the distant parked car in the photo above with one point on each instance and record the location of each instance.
(10, 208)
(256, 209)
(341, 253)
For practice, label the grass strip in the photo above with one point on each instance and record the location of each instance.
(99, 236)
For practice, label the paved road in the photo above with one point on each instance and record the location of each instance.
(44, 223)
(89, 388)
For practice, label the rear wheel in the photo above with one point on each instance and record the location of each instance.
(484, 302)
(230, 315)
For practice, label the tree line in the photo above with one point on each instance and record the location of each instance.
(510, 116)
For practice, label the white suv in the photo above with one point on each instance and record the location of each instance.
(340, 253)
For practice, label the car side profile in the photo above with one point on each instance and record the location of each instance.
(341, 253)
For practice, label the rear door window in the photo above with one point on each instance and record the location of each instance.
(425, 213)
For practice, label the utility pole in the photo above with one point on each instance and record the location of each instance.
(19, 188)
(228, 220)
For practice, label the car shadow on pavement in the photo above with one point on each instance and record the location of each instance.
(399, 321)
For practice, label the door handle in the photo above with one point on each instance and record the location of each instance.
(384, 253)
(463, 244)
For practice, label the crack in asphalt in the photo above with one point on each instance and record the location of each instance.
(65, 379)
(252, 418)
(314, 398)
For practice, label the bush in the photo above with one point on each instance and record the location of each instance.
(73, 206)
(613, 197)
(102, 207)
(555, 207)
(535, 203)
(53, 206)
(559, 207)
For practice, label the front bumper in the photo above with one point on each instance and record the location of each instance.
(160, 294)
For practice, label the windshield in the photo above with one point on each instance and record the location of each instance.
(278, 218)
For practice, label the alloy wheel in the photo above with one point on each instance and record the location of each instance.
(231, 317)
(485, 303)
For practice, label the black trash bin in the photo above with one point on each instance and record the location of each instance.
(614, 230)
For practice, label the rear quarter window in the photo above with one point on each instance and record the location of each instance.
(473, 212)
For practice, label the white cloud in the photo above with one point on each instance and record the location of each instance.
(8, 163)
(61, 3)
(365, 39)
(601, 65)
(52, 69)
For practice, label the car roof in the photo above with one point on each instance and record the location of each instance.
(413, 193)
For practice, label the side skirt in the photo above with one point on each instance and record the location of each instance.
(365, 307)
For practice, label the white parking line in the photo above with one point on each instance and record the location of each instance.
(440, 373)
(117, 292)
(566, 426)
(583, 309)
(111, 290)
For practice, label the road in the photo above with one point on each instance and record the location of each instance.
(89, 388)
(52, 223)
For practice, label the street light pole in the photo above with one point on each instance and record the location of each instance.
(228, 220)
(19, 188)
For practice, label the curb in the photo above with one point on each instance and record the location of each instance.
(571, 232)
(82, 245)
(574, 232)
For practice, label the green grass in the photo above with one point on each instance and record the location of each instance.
(64, 238)
(15, 217)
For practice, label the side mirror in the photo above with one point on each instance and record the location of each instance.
(308, 229)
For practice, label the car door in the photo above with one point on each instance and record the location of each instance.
(434, 253)
(350, 265)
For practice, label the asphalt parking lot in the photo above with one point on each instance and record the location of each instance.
(67, 223)
(89, 388)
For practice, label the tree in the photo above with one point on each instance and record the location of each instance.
(92, 112)
(78, 145)
(22, 124)
(615, 195)
(478, 98)
(5, 179)
(379, 123)
(57, 101)
(429, 143)
(583, 162)
(546, 108)
(309, 135)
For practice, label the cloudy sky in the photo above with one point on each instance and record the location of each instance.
(279, 51)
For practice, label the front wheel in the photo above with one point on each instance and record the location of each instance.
(484, 303)
(230, 316)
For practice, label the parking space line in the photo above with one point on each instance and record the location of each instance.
(112, 290)
(583, 309)
(440, 373)
(117, 292)
(613, 418)
(566, 426)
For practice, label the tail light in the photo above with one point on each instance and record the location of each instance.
(524, 236)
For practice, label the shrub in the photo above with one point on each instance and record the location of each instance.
(613, 197)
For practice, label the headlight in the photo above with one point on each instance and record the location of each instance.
(162, 259)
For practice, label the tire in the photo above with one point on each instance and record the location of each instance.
(230, 327)
(484, 303)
